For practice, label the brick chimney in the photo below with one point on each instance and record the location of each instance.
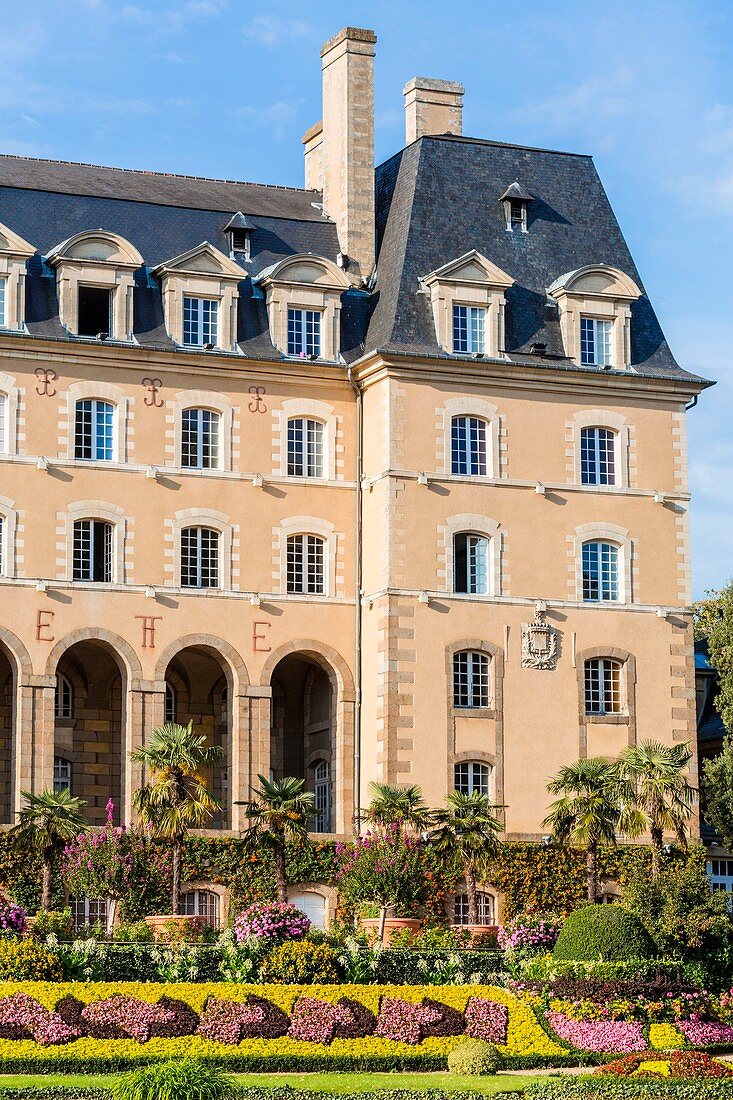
(432, 107)
(339, 153)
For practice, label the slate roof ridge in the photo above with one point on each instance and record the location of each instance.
(468, 140)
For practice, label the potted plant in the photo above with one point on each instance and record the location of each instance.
(468, 831)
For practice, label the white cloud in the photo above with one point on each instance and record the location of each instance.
(268, 30)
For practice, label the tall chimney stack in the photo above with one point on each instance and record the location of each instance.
(347, 152)
(432, 107)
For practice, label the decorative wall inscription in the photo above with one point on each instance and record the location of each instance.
(43, 622)
(257, 405)
(539, 642)
(258, 637)
(45, 376)
(148, 628)
(153, 386)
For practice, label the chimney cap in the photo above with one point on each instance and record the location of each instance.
(240, 221)
(516, 191)
(430, 84)
(352, 34)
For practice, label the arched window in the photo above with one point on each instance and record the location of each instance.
(322, 791)
(603, 693)
(94, 430)
(472, 776)
(486, 908)
(61, 775)
(597, 456)
(600, 572)
(199, 557)
(170, 702)
(306, 565)
(470, 563)
(468, 446)
(202, 903)
(92, 550)
(63, 697)
(200, 439)
(470, 679)
(305, 447)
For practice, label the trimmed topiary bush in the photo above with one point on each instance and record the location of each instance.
(605, 932)
(475, 1058)
(299, 962)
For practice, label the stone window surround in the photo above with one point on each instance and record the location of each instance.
(322, 294)
(617, 536)
(117, 274)
(615, 422)
(109, 513)
(9, 391)
(307, 525)
(611, 303)
(461, 891)
(628, 694)
(101, 391)
(312, 410)
(9, 518)
(217, 521)
(471, 523)
(179, 280)
(202, 399)
(495, 713)
(14, 252)
(468, 406)
(446, 287)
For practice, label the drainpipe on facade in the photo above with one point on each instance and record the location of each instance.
(357, 618)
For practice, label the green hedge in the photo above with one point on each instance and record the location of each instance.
(605, 932)
(620, 1088)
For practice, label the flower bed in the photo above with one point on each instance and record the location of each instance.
(688, 1064)
(600, 1036)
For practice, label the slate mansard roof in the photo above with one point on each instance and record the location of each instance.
(435, 201)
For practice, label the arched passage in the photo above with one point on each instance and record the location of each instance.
(8, 721)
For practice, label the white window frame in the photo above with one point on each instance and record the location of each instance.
(306, 543)
(108, 534)
(197, 415)
(307, 409)
(598, 456)
(601, 565)
(470, 445)
(201, 517)
(8, 416)
(307, 525)
(478, 679)
(63, 705)
(606, 667)
(8, 524)
(103, 512)
(479, 774)
(63, 774)
(478, 564)
(306, 325)
(200, 530)
(204, 330)
(596, 333)
(91, 910)
(312, 447)
(469, 328)
(614, 535)
(96, 391)
(486, 908)
(195, 902)
(720, 876)
(107, 439)
(610, 421)
(322, 793)
(3, 300)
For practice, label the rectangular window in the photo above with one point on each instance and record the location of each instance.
(595, 342)
(305, 448)
(600, 571)
(602, 686)
(94, 311)
(485, 904)
(597, 456)
(470, 564)
(200, 439)
(305, 572)
(304, 332)
(200, 321)
(322, 792)
(468, 446)
(3, 307)
(470, 679)
(94, 430)
(468, 329)
(720, 877)
(470, 777)
(199, 557)
(86, 911)
(3, 424)
(92, 550)
(61, 775)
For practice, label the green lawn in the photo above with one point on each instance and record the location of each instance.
(321, 1082)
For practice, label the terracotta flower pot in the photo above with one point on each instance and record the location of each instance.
(479, 933)
(391, 926)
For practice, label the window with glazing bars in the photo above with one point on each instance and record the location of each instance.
(304, 332)
(468, 445)
(94, 430)
(470, 679)
(485, 903)
(170, 703)
(595, 342)
(200, 439)
(199, 557)
(61, 775)
(322, 792)
(92, 550)
(305, 447)
(470, 563)
(600, 571)
(2, 545)
(85, 911)
(200, 321)
(471, 776)
(597, 456)
(602, 686)
(63, 697)
(201, 903)
(3, 424)
(3, 308)
(306, 565)
(468, 329)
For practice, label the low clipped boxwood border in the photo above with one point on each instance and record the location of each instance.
(629, 1088)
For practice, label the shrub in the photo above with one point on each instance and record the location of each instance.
(272, 920)
(134, 932)
(58, 922)
(689, 1064)
(475, 1057)
(182, 930)
(529, 934)
(231, 1022)
(28, 961)
(605, 932)
(301, 963)
(385, 867)
(187, 1078)
(12, 918)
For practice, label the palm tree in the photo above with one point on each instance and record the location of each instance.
(662, 793)
(398, 806)
(278, 815)
(592, 809)
(469, 829)
(177, 799)
(47, 823)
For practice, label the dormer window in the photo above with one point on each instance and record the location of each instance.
(200, 322)
(239, 232)
(467, 298)
(304, 333)
(200, 292)
(595, 315)
(515, 202)
(95, 274)
(14, 252)
(303, 296)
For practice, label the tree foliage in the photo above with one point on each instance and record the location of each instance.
(717, 792)
(713, 618)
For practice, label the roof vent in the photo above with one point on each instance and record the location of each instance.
(537, 348)
(239, 230)
(515, 201)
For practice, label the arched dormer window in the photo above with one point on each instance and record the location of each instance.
(595, 315)
(303, 296)
(467, 299)
(200, 292)
(14, 252)
(95, 276)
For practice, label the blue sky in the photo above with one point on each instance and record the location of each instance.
(222, 88)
